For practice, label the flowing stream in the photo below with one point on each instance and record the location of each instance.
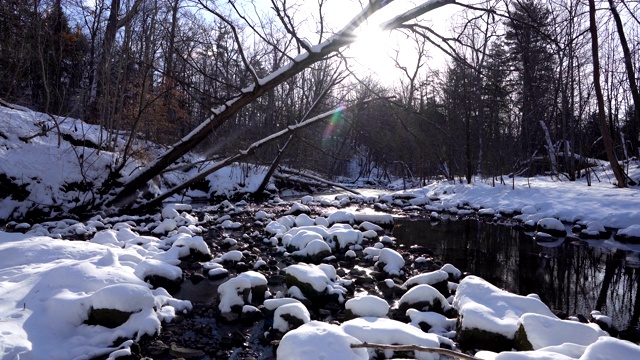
(569, 275)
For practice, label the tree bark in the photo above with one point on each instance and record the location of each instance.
(604, 128)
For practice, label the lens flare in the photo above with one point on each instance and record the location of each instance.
(331, 126)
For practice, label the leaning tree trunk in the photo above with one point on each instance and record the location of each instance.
(604, 129)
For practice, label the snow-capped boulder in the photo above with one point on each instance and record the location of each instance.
(290, 316)
(432, 322)
(538, 331)
(629, 234)
(112, 305)
(387, 331)
(594, 230)
(366, 306)
(320, 341)
(551, 226)
(488, 316)
(248, 287)
(310, 279)
(439, 279)
(390, 261)
(159, 274)
(424, 297)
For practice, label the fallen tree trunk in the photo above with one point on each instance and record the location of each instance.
(454, 354)
(241, 155)
(318, 179)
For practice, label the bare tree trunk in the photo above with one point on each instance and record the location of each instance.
(628, 63)
(604, 128)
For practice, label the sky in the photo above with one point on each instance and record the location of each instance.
(374, 53)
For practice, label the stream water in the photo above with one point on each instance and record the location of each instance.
(573, 276)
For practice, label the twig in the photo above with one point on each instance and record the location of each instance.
(454, 354)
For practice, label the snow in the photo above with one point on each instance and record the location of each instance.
(631, 231)
(272, 304)
(393, 261)
(422, 293)
(387, 331)
(439, 323)
(296, 310)
(318, 340)
(368, 306)
(48, 286)
(483, 306)
(309, 274)
(428, 278)
(543, 331)
(551, 224)
(611, 348)
(150, 267)
(231, 293)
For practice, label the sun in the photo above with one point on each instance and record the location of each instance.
(373, 51)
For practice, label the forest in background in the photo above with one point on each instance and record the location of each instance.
(517, 94)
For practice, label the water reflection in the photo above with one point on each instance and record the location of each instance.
(572, 276)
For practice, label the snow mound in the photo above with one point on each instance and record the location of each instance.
(367, 306)
(319, 341)
(484, 306)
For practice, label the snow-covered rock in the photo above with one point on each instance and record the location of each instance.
(538, 331)
(489, 316)
(367, 306)
(319, 341)
(290, 316)
(387, 331)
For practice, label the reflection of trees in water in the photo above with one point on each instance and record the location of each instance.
(570, 277)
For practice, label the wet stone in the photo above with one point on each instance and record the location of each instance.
(185, 353)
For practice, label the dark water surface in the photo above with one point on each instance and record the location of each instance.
(569, 275)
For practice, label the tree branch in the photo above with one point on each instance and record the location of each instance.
(454, 354)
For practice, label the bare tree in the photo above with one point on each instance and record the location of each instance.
(604, 129)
